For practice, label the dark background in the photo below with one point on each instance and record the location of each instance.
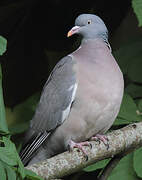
(36, 33)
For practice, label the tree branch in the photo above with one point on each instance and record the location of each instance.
(122, 141)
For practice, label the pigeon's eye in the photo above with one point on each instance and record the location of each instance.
(89, 22)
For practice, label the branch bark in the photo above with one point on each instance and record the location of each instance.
(122, 141)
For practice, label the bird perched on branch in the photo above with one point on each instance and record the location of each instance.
(81, 97)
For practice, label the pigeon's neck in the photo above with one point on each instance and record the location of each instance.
(102, 36)
(86, 39)
(90, 41)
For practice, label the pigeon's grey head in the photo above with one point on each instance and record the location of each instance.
(89, 26)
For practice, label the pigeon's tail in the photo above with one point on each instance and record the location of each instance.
(31, 146)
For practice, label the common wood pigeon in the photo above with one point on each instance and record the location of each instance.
(81, 97)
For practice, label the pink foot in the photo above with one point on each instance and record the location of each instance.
(103, 138)
(80, 145)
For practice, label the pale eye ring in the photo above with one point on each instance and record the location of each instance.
(89, 22)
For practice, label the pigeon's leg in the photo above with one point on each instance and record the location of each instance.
(103, 138)
(80, 145)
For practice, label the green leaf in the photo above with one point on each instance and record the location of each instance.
(11, 175)
(124, 170)
(128, 110)
(137, 162)
(140, 105)
(21, 168)
(8, 152)
(15, 156)
(134, 90)
(19, 128)
(9, 156)
(135, 69)
(3, 124)
(127, 53)
(3, 44)
(31, 175)
(2, 172)
(137, 6)
(18, 118)
(129, 59)
(98, 165)
(120, 121)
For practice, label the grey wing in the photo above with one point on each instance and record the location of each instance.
(57, 97)
(53, 108)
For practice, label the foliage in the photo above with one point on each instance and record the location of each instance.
(31, 175)
(23, 111)
(98, 165)
(11, 167)
(9, 160)
(3, 125)
(137, 6)
(128, 111)
(137, 161)
(125, 169)
(3, 44)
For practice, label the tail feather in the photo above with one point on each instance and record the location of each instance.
(32, 146)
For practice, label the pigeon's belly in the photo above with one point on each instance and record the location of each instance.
(96, 105)
(93, 118)
(89, 116)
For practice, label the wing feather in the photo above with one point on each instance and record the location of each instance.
(57, 97)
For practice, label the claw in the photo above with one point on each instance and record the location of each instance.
(86, 157)
(80, 145)
(102, 138)
(90, 145)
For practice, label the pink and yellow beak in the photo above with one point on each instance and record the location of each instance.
(73, 31)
